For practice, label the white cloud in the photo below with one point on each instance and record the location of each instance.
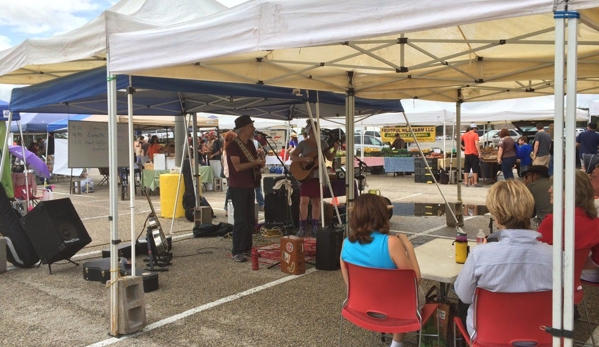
(42, 18)
(5, 90)
(4, 42)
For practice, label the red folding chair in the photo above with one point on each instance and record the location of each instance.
(580, 259)
(33, 199)
(509, 319)
(384, 301)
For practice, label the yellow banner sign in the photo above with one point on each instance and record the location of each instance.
(423, 134)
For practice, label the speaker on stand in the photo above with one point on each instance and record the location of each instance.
(55, 230)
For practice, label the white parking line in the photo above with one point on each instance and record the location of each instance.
(405, 197)
(426, 232)
(201, 308)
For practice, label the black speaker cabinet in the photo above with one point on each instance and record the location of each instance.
(328, 248)
(20, 251)
(55, 230)
(269, 182)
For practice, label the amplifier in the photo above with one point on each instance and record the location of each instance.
(269, 182)
(328, 248)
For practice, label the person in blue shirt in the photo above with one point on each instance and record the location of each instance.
(370, 245)
(523, 150)
(588, 141)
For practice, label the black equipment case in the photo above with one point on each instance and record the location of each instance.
(99, 270)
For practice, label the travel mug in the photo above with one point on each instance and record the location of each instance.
(461, 249)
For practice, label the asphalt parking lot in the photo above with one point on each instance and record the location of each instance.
(205, 298)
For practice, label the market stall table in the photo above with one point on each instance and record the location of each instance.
(151, 178)
(437, 263)
(399, 164)
(371, 161)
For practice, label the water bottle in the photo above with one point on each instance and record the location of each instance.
(480, 237)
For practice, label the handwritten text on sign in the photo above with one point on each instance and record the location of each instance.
(89, 144)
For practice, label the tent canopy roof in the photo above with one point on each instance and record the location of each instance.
(487, 49)
(85, 92)
(502, 111)
(139, 122)
(38, 60)
(36, 122)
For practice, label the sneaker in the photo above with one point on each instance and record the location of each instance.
(261, 208)
(302, 233)
(247, 254)
(240, 258)
(478, 185)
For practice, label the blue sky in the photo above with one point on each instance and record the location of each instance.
(23, 19)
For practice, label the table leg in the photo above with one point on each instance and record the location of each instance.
(443, 292)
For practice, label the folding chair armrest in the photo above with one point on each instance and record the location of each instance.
(524, 343)
(460, 325)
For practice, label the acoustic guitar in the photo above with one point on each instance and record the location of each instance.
(257, 171)
(162, 246)
(302, 171)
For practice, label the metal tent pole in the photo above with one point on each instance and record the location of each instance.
(131, 187)
(113, 198)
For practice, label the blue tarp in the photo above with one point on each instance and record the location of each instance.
(36, 122)
(85, 93)
(4, 108)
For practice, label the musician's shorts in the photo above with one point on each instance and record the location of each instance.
(310, 188)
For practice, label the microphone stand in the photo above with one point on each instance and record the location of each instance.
(360, 177)
(286, 171)
(288, 176)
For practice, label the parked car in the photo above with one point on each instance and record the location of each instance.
(369, 142)
(491, 138)
(373, 133)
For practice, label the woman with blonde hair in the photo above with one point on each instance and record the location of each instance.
(518, 262)
(370, 245)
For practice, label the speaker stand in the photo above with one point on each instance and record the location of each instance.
(50, 265)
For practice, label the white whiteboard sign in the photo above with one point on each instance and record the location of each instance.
(88, 144)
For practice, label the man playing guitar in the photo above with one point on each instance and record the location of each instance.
(244, 175)
(306, 152)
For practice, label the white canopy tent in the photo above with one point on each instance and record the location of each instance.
(84, 48)
(449, 51)
(504, 111)
(594, 108)
(487, 49)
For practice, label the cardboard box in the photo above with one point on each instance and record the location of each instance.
(292, 255)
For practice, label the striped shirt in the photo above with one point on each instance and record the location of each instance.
(518, 262)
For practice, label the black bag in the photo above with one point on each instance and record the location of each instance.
(211, 230)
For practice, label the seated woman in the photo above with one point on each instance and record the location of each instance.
(586, 225)
(370, 245)
(518, 262)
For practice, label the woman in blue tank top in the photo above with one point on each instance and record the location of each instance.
(369, 244)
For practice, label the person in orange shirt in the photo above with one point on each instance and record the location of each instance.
(472, 155)
(154, 147)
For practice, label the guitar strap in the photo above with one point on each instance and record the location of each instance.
(244, 149)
